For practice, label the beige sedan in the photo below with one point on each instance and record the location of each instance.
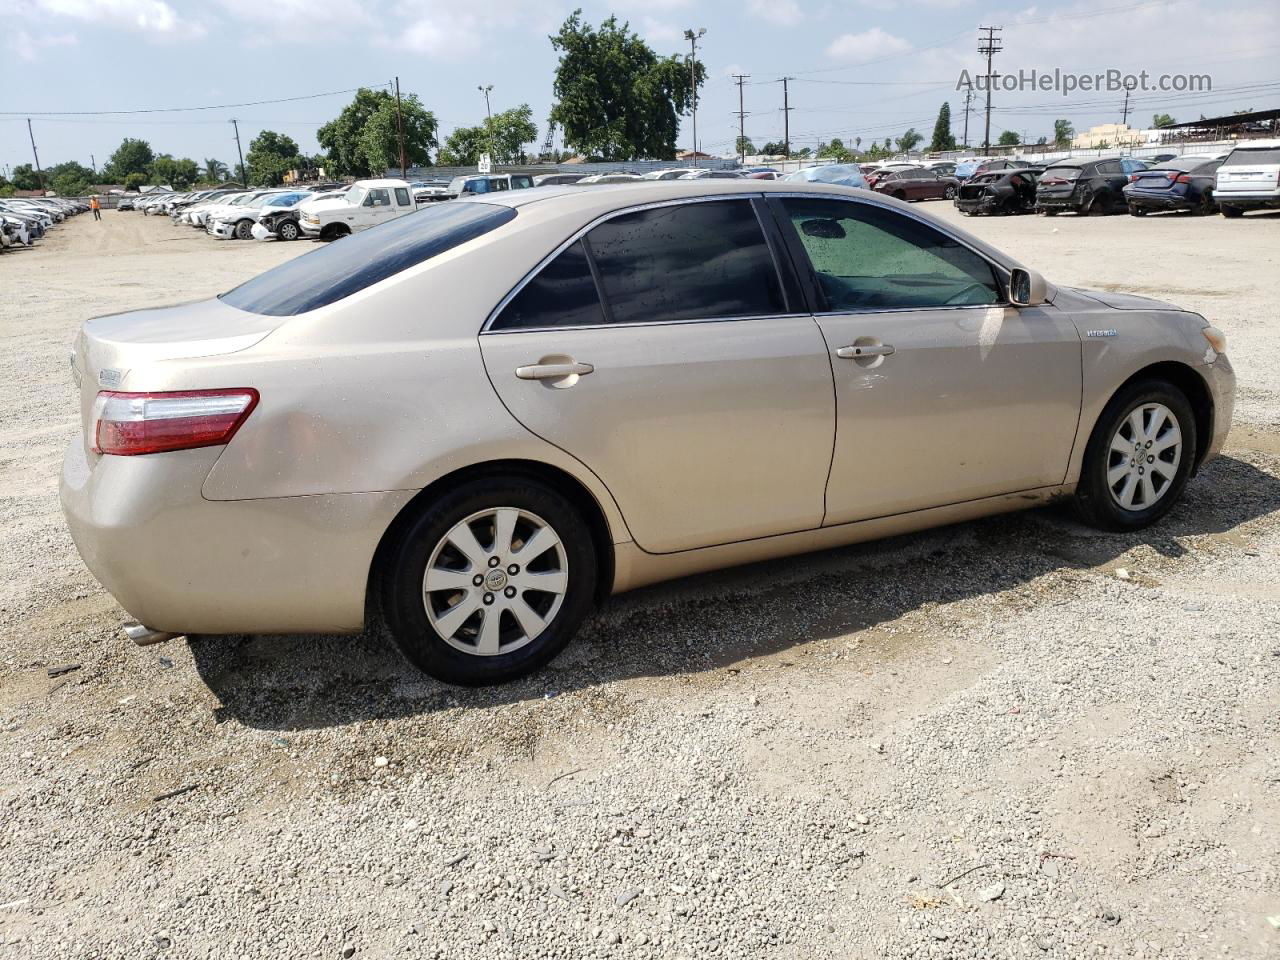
(475, 421)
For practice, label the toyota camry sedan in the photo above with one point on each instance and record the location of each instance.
(471, 423)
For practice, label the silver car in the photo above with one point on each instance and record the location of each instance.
(475, 421)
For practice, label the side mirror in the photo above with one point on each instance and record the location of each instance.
(1026, 288)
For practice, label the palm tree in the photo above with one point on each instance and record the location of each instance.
(215, 170)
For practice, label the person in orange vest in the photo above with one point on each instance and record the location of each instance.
(95, 207)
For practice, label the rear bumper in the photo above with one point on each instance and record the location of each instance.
(1249, 199)
(182, 564)
(983, 204)
(1055, 203)
(1156, 202)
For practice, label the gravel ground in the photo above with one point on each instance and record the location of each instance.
(1011, 738)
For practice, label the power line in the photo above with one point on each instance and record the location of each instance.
(219, 106)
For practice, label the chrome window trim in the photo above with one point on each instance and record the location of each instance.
(604, 217)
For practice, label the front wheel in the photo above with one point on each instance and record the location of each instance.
(1230, 212)
(288, 230)
(489, 582)
(244, 230)
(1138, 458)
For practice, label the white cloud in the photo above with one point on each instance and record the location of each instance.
(297, 20)
(867, 45)
(26, 47)
(659, 32)
(154, 17)
(785, 13)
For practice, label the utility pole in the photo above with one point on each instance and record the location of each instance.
(741, 78)
(244, 179)
(94, 164)
(1124, 118)
(968, 96)
(35, 153)
(989, 45)
(404, 172)
(693, 81)
(488, 114)
(786, 118)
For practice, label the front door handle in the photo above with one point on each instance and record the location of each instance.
(553, 371)
(865, 350)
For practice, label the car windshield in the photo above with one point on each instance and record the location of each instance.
(338, 270)
(355, 196)
(1249, 156)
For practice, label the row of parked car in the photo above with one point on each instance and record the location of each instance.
(24, 220)
(1244, 178)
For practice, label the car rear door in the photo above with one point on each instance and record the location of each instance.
(669, 350)
(944, 392)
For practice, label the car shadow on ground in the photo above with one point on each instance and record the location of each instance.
(718, 619)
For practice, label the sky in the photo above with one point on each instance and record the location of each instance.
(863, 68)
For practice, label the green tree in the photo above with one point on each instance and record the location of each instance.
(215, 171)
(132, 181)
(835, 150)
(170, 172)
(1063, 132)
(25, 177)
(908, 141)
(132, 156)
(271, 155)
(1162, 120)
(774, 148)
(1009, 139)
(508, 132)
(942, 138)
(744, 145)
(462, 148)
(363, 140)
(70, 179)
(615, 98)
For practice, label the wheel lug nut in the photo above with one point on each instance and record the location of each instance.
(488, 599)
(509, 592)
(494, 561)
(1151, 459)
(513, 569)
(477, 579)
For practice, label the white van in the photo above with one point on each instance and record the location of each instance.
(367, 204)
(1249, 179)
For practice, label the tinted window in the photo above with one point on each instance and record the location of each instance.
(562, 294)
(402, 196)
(520, 181)
(340, 269)
(1107, 167)
(686, 261)
(1248, 156)
(866, 258)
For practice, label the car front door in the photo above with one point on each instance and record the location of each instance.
(944, 392)
(669, 350)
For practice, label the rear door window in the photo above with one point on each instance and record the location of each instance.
(686, 261)
(338, 270)
(562, 294)
(402, 197)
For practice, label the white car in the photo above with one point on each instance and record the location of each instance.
(237, 222)
(1249, 179)
(195, 215)
(367, 204)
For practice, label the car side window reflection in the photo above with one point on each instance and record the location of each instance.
(687, 261)
(868, 258)
(562, 294)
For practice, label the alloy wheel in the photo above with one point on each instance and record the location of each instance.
(1144, 455)
(495, 581)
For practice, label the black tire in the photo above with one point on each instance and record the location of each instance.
(335, 231)
(401, 581)
(1093, 502)
(288, 230)
(244, 230)
(1047, 213)
(949, 193)
(1230, 212)
(1099, 205)
(1137, 211)
(1207, 206)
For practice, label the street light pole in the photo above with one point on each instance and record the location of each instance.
(693, 81)
(489, 115)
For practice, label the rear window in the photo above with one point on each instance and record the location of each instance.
(1249, 156)
(1061, 173)
(345, 266)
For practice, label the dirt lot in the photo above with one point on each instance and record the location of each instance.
(1011, 738)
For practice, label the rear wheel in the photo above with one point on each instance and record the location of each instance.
(1230, 212)
(899, 195)
(1136, 211)
(1207, 207)
(949, 193)
(490, 581)
(1099, 204)
(288, 230)
(1047, 213)
(1138, 458)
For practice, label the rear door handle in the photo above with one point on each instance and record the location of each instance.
(865, 350)
(553, 371)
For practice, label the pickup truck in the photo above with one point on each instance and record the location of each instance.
(367, 204)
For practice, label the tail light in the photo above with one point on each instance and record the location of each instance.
(1133, 178)
(131, 424)
(1183, 178)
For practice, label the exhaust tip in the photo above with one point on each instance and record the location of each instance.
(145, 636)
